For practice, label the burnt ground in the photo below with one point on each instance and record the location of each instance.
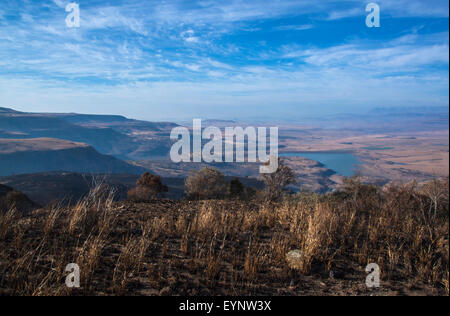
(179, 248)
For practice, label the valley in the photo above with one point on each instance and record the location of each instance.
(381, 147)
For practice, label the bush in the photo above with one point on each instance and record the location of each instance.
(353, 187)
(148, 187)
(206, 184)
(250, 193)
(277, 182)
(236, 189)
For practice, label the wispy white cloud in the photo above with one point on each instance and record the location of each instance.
(408, 53)
(189, 36)
(183, 53)
(61, 3)
(303, 27)
(399, 58)
(341, 14)
(111, 17)
(415, 8)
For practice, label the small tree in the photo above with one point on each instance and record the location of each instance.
(437, 191)
(276, 182)
(148, 187)
(236, 189)
(207, 183)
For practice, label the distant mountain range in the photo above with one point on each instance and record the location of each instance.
(387, 120)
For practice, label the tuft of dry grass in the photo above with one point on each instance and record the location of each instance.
(6, 222)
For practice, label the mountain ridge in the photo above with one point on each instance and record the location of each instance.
(115, 135)
(44, 154)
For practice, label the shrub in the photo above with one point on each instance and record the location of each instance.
(277, 182)
(355, 188)
(236, 189)
(206, 184)
(250, 193)
(148, 187)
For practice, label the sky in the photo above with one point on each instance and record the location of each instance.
(229, 59)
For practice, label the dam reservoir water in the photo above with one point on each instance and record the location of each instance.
(344, 164)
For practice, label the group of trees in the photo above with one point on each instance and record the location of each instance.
(210, 183)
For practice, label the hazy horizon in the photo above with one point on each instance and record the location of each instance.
(365, 113)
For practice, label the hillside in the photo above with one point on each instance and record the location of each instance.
(12, 199)
(68, 187)
(233, 248)
(47, 187)
(105, 140)
(116, 122)
(19, 156)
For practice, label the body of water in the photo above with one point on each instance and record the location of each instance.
(344, 164)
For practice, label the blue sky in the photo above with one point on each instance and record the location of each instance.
(223, 59)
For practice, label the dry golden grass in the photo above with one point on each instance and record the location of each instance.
(232, 247)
